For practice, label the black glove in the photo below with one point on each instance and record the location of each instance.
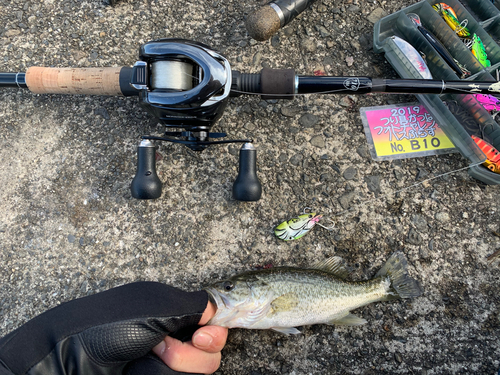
(108, 333)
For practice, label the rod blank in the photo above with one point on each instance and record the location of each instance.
(363, 85)
(13, 80)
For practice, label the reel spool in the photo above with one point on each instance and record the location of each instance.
(172, 75)
(186, 85)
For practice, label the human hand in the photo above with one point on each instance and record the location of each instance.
(114, 332)
(201, 354)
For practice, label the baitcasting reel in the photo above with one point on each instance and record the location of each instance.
(186, 86)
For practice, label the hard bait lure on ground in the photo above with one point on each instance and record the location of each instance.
(297, 227)
(283, 298)
(492, 154)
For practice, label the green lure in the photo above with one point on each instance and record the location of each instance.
(297, 227)
(450, 17)
(478, 50)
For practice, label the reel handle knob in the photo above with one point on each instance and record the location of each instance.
(146, 184)
(247, 186)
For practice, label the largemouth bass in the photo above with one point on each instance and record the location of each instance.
(283, 298)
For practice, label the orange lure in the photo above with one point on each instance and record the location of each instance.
(449, 9)
(492, 154)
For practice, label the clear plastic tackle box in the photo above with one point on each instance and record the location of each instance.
(459, 116)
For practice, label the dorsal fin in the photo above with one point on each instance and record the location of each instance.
(334, 265)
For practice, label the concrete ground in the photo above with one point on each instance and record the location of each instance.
(69, 226)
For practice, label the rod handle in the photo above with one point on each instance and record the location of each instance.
(267, 20)
(84, 81)
(270, 83)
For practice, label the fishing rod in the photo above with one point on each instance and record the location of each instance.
(186, 86)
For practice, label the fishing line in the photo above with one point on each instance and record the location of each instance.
(364, 203)
(162, 77)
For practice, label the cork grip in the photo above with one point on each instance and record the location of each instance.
(85, 81)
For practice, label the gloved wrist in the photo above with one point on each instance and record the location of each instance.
(99, 334)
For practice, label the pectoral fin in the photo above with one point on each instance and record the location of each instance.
(287, 330)
(286, 302)
(349, 320)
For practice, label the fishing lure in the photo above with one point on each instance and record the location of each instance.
(489, 102)
(492, 154)
(449, 9)
(478, 50)
(450, 17)
(413, 56)
(438, 46)
(297, 227)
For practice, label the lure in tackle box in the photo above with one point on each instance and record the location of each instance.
(492, 154)
(450, 17)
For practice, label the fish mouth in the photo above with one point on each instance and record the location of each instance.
(214, 296)
(223, 313)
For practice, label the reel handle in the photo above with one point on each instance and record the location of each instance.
(146, 184)
(247, 186)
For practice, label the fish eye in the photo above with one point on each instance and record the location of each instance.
(228, 286)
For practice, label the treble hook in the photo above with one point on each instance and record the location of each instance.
(317, 223)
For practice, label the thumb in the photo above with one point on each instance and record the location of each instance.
(210, 339)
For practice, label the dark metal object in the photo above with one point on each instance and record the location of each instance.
(437, 45)
(247, 186)
(287, 10)
(13, 80)
(146, 184)
(195, 110)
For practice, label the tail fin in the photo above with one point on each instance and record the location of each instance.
(402, 285)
